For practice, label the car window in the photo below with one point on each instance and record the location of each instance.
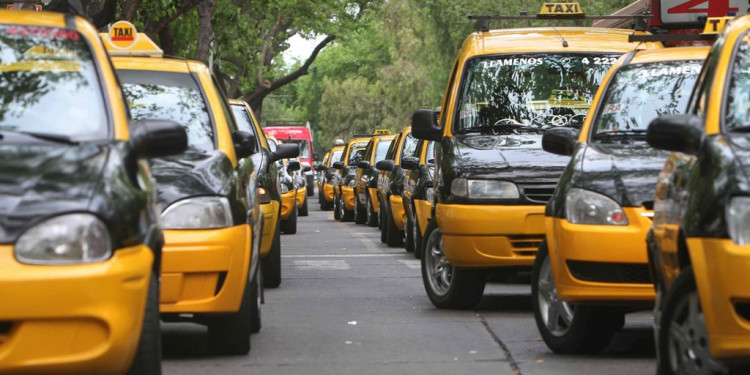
(382, 149)
(356, 153)
(410, 147)
(49, 74)
(430, 154)
(336, 156)
(737, 102)
(173, 96)
(245, 122)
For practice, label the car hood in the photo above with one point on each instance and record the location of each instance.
(191, 174)
(518, 157)
(40, 180)
(626, 173)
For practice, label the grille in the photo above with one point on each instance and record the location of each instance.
(628, 273)
(743, 309)
(538, 193)
(525, 245)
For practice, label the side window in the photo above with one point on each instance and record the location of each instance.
(410, 147)
(368, 150)
(446, 97)
(391, 154)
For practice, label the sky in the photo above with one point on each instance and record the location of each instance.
(300, 48)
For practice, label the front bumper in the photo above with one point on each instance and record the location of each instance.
(348, 195)
(270, 219)
(288, 200)
(301, 196)
(73, 318)
(205, 271)
(490, 235)
(721, 275)
(598, 263)
(328, 192)
(423, 214)
(397, 211)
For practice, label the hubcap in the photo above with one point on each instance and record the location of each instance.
(439, 270)
(687, 344)
(557, 315)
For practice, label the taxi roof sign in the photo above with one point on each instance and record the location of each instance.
(381, 132)
(123, 39)
(711, 31)
(714, 25)
(561, 9)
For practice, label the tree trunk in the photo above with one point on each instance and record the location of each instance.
(166, 39)
(205, 30)
(128, 9)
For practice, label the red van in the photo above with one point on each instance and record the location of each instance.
(299, 133)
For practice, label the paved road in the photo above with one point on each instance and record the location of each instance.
(350, 305)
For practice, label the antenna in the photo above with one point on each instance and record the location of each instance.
(564, 42)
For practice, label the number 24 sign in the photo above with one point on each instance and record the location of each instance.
(687, 11)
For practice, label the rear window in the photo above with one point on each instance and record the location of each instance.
(50, 84)
(170, 96)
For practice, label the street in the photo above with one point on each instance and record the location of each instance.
(350, 305)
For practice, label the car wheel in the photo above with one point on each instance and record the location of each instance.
(336, 209)
(683, 337)
(303, 210)
(381, 218)
(311, 185)
(345, 214)
(147, 358)
(372, 216)
(257, 296)
(409, 233)
(360, 212)
(271, 264)
(229, 334)
(449, 287)
(393, 236)
(565, 328)
(417, 236)
(290, 225)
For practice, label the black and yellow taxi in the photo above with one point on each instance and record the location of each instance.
(592, 266)
(417, 194)
(302, 191)
(80, 242)
(327, 175)
(268, 192)
(366, 178)
(492, 176)
(390, 186)
(288, 186)
(211, 216)
(344, 181)
(699, 245)
(319, 169)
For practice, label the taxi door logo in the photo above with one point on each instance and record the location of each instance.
(122, 35)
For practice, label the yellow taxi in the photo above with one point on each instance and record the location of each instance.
(699, 247)
(327, 177)
(391, 185)
(343, 185)
(366, 178)
(212, 217)
(319, 170)
(492, 176)
(80, 243)
(418, 194)
(592, 267)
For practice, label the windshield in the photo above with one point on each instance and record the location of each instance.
(171, 96)
(49, 84)
(304, 147)
(510, 94)
(356, 153)
(738, 96)
(640, 93)
(382, 149)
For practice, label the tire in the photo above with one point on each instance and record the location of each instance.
(303, 210)
(393, 236)
(257, 297)
(147, 358)
(336, 211)
(417, 236)
(449, 287)
(344, 214)
(571, 329)
(271, 265)
(381, 222)
(360, 212)
(290, 225)
(310, 185)
(682, 317)
(229, 334)
(409, 234)
(372, 216)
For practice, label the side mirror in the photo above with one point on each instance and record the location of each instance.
(292, 165)
(560, 141)
(157, 138)
(306, 168)
(338, 165)
(364, 164)
(385, 165)
(320, 167)
(411, 163)
(681, 133)
(244, 144)
(285, 151)
(424, 125)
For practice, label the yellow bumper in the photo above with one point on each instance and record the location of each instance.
(328, 192)
(722, 277)
(374, 199)
(270, 218)
(423, 210)
(348, 194)
(397, 210)
(205, 271)
(301, 196)
(73, 318)
(490, 235)
(601, 262)
(287, 204)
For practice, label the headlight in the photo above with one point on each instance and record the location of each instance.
(65, 239)
(738, 214)
(198, 213)
(263, 196)
(586, 207)
(484, 189)
(284, 189)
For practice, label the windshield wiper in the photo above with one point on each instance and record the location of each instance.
(499, 129)
(57, 138)
(621, 133)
